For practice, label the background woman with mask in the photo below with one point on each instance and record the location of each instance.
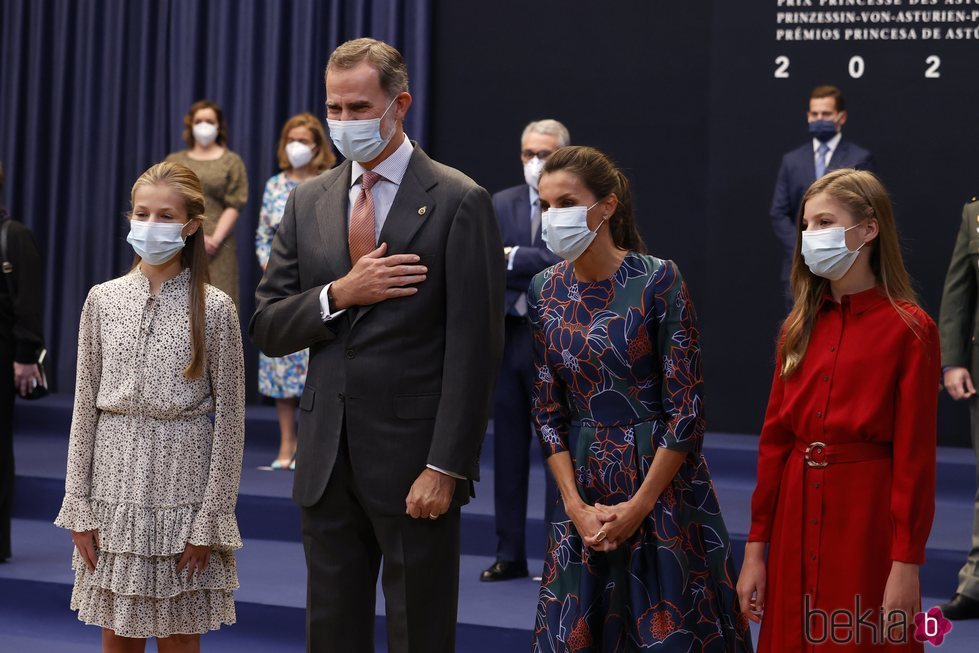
(846, 462)
(303, 153)
(222, 174)
(151, 485)
(645, 560)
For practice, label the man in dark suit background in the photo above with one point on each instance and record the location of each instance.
(518, 212)
(958, 326)
(388, 268)
(827, 150)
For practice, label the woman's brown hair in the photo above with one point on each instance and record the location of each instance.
(324, 158)
(865, 198)
(188, 133)
(601, 178)
(185, 183)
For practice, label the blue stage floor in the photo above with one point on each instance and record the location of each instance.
(35, 584)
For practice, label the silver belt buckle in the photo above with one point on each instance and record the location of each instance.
(816, 448)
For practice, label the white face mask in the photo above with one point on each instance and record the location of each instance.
(532, 170)
(826, 253)
(299, 154)
(566, 232)
(359, 140)
(156, 242)
(205, 133)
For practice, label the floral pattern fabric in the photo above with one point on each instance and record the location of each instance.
(619, 375)
(285, 376)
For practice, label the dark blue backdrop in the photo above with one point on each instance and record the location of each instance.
(93, 92)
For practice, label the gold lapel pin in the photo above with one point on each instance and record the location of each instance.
(422, 210)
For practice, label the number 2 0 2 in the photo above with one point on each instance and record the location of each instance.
(857, 67)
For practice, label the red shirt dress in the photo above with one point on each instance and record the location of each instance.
(864, 403)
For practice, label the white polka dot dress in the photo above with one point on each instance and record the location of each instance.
(146, 466)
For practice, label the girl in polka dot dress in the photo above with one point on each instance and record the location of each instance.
(152, 482)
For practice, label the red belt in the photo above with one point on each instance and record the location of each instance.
(820, 454)
(816, 456)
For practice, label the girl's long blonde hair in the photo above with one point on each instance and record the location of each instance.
(866, 198)
(185, 183)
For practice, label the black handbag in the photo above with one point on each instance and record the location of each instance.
(40, 389)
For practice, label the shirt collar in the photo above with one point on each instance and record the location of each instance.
(832, 143)
(391, 169)
(857, 303)
(178, 283)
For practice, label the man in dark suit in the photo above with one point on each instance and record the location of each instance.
(388, 268)
(827, 150)
(518, 212)
(958, 325)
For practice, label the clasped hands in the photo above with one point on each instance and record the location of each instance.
(606, 528)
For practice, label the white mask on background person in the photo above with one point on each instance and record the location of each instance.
(205, 133)
(532, 170)
(359, 140)
(156, 242)
(565, 231)
(826, 253)
(299, 154)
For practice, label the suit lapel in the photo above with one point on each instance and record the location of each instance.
(841, 157)
(331, 219)
(412, 206)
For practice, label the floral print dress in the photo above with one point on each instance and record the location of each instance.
(285, 376)
(619, 375)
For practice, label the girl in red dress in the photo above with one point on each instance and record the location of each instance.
(846, 461)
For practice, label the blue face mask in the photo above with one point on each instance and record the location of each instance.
(822, 130)
(156, 242)
(359, 140)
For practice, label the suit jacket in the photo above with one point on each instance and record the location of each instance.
(412, 377)
(959, 316)
(512, 206)
(21, 315)
(796, 174)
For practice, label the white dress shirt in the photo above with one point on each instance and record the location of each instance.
(392, 171)
(831, 143)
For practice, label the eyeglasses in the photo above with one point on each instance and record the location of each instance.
(527, 155)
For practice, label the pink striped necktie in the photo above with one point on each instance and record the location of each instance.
(362, 237)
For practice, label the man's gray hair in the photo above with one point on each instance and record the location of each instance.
(549, 127)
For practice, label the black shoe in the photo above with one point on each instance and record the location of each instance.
(504, 570)
(960, 607)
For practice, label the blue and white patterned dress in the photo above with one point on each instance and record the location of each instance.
(277, 377)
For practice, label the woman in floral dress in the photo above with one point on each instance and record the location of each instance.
(151, 484)
(303, 153)
(645, 561)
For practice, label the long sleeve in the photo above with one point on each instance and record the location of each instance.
(550, 404)
(474, 296)
(215, 522)
(774, 447)
(28, 305)
(678, 346)
(266, 226)
(236, 193)
(914, 445)
(782, 212)
(958, 300)
(76, 511)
